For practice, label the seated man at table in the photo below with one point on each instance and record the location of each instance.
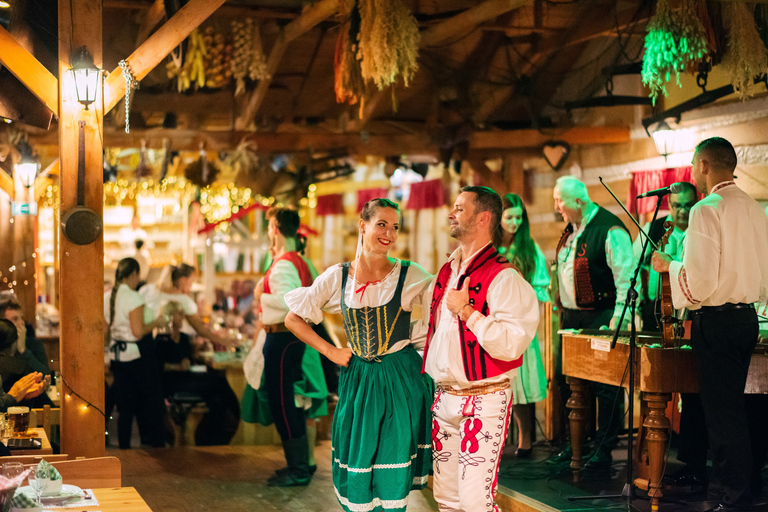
(14, 365)
(175, 353)
(27, 346)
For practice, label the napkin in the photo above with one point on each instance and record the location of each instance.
(45, 468)
(23, 502)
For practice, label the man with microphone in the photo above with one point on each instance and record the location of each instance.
(594, 269)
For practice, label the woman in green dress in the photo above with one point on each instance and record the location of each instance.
(520, 249)
(381, 429)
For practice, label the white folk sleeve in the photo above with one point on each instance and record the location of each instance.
(420, 327)
(621, 259)
(513, 317)
(695, 278)
(324, 295)
(282, 279)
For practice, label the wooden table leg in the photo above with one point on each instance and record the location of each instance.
(656, 438)
(578, 403)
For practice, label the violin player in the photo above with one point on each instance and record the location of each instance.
(723, 273)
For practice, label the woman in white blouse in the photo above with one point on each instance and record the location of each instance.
(381, 426)
(137, 377)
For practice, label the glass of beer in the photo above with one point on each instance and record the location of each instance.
(20, 418)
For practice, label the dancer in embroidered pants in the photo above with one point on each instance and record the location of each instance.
(482, 317)
(380, 433)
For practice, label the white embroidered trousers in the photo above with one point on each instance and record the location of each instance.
(468, 434)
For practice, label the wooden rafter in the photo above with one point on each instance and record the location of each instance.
(158, 46)
(29, 71)
(467, 21)
(585, 29)
(374, 144)
(151, 19)
(313, 15)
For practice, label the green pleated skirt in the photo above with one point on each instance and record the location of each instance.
(382, 432)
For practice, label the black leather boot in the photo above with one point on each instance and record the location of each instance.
(297, 473)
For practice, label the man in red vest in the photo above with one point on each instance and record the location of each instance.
(482, 317)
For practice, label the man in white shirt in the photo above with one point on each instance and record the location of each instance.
(723, 273)
(594, 268)
(482, 317)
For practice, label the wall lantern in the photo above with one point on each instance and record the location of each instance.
(664, 139)
(86, 76)
(27, 166)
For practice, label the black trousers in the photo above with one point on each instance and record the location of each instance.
(609, 398)
(722, 343)
(139, 393)
(282, 368)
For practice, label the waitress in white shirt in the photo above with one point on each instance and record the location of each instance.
(137, 377)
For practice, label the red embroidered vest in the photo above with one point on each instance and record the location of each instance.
(478, 364)
(301, 266)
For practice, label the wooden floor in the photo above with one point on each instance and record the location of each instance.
(231, 479)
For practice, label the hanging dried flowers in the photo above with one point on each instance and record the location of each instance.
(674, 42)
(388, 43)
(746, 56)
(348, 79)
(201, 172)
(248, 58)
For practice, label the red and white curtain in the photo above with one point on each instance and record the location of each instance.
(643, 181)
(427, 218)
(330, 217)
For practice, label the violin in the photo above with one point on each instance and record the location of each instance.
(669, 324)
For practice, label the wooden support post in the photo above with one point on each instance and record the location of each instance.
(23, 249)
(6, 240)
(82, 266)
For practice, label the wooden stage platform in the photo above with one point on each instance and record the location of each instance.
(233, 479)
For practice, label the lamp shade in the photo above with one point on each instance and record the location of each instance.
(664, 139)
(27, 171)
(86, 76)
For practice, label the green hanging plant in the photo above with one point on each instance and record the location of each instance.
(746, 56)
(675, 42)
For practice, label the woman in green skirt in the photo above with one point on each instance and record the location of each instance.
(381, 429)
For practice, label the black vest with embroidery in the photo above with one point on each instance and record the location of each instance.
(593, 278)
(371, 329)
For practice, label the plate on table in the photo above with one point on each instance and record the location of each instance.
(67, 493)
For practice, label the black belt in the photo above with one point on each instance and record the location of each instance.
(725, 307)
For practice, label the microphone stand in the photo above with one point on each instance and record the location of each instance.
(628, 491)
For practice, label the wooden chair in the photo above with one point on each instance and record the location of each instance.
(45, 417)
(97, 473)
(32, 459)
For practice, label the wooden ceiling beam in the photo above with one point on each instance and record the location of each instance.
(151, 19)
(374, 144)
(158, 46)
(308, 19)
(467, 21)
(230, 11)
(29, 71)
(585, 29)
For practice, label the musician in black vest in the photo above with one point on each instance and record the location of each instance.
(594, 268)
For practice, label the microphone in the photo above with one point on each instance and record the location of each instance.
(674, 188)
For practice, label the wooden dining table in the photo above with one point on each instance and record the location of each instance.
(45, 449)
(114, 499)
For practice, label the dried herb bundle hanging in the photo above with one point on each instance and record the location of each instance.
(674, 42)
(710, 12)
(348, 80)
(388, 43)
(747, 56)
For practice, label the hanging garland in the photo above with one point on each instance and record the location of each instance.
(746, 57)
(674, 42)
(348, 79)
